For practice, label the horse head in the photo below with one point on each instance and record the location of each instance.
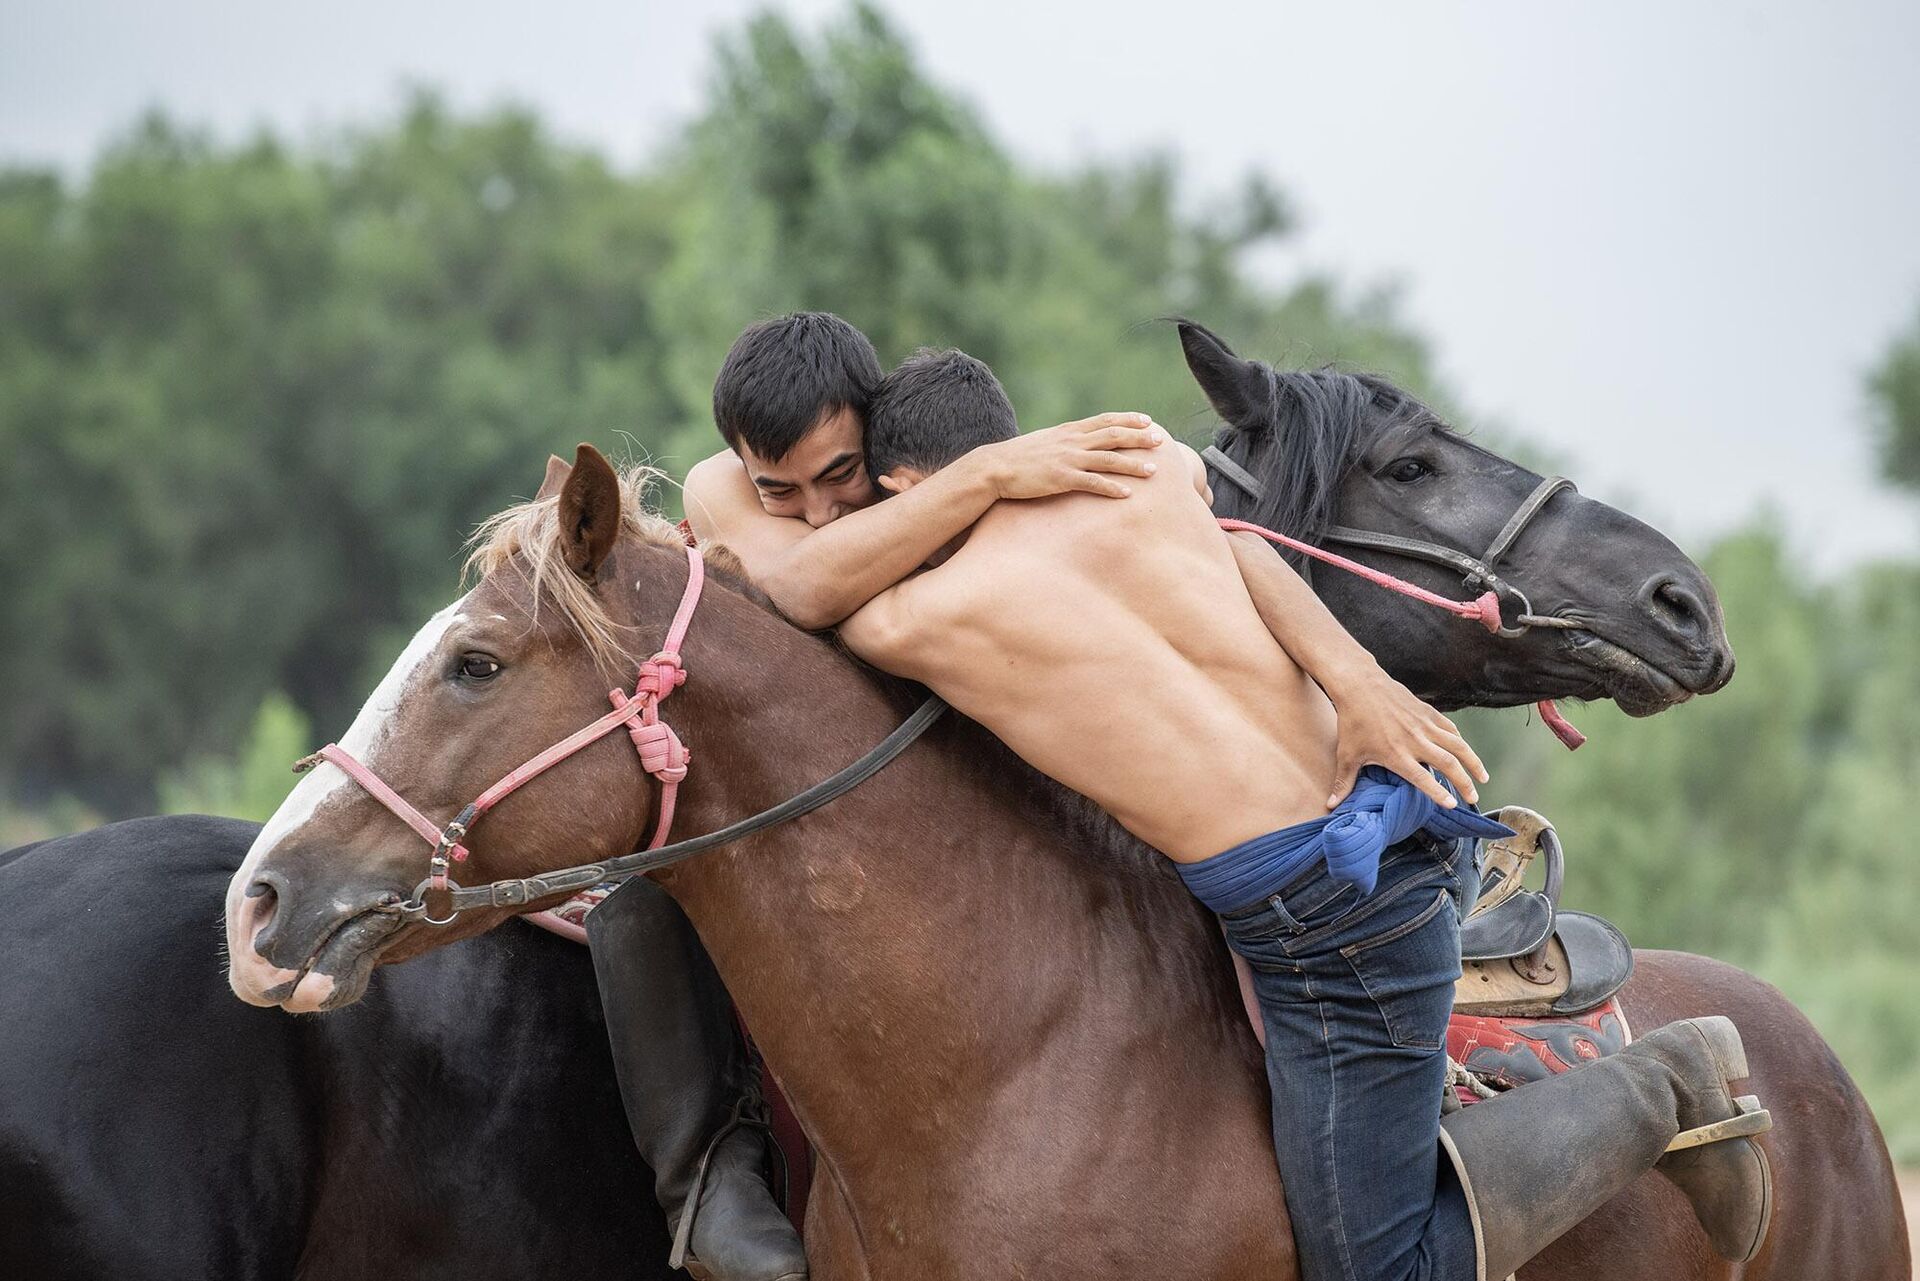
(490, 682)
(1334, 458)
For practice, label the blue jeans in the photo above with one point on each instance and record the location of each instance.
(1355, 992)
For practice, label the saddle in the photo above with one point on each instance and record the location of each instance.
(1538, 988)
(1521, 955)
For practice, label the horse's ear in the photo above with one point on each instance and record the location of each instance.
(1237, 389)
(558, 469)
(589, 512)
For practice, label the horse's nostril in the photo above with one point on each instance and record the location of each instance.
(263, 905)
(1673, 605)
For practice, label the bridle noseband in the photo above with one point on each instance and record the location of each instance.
(662, 756)
(1478, 571)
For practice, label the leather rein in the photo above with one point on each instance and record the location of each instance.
(662, 755)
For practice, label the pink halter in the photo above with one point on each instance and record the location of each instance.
(661, 752)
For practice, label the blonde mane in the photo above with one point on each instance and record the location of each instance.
(526, 539)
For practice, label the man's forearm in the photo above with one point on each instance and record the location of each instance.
(1303, 626)
(841, 566)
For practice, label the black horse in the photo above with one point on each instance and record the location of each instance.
(469, 1123)
(463, 1122)
(1599, 604)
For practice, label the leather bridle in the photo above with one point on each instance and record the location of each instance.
(662, 756)
(1478, 571)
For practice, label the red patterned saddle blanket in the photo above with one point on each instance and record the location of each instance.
(1507, 1051)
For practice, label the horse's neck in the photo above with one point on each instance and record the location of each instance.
(930, 935)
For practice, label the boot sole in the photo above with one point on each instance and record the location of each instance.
(700, 1272)
(1766, 1207)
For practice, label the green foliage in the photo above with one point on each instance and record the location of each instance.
(252, 397)
(1894, 392)
(252, 783)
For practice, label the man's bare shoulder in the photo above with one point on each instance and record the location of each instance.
(721, 477)
(722, 507)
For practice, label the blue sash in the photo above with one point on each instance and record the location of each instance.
(1382, 810)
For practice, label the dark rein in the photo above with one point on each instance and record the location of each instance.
(662, 755)
(518, 893)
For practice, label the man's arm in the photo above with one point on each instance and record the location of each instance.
(1380, 721)
(817, 577)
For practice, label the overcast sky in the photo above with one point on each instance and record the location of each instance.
(1664, 239)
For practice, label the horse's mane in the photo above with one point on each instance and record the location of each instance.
(1312, 426)
(525, 538)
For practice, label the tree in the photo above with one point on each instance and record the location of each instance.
(1894, 394)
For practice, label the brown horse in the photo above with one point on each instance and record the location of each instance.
(1009, 1032)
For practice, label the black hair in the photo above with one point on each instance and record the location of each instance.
(935, 407)
(782, 376)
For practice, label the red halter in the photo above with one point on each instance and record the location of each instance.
(661, 752)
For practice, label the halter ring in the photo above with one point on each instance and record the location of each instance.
(420, 896)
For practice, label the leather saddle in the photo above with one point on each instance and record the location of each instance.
(1521, 955)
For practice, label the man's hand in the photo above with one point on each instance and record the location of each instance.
(1382, 723)
(1083, 457)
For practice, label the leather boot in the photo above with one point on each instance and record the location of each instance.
(691, 1093)
(1538, 1159)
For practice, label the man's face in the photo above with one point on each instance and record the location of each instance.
(821, 479)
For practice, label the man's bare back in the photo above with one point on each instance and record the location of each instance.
(1114, 647)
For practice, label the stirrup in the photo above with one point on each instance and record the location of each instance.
(1749, 1120)
(747, 1113)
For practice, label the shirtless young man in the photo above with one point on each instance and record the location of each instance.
(1117, 647)
(791, 402)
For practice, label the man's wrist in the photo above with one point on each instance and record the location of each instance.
(986, 472)
(1345, 678)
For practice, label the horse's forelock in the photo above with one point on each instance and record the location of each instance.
(1316, 423)
(525, 540)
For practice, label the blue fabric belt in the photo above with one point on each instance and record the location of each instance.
(1382, 810)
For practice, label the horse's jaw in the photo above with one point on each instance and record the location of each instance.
(334, 974)
(1637, 686)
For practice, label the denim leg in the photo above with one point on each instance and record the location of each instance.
(1355, 994)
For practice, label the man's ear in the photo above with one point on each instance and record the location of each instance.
(900, 479)
(558, 469)
(589, 511)
(1237, 389)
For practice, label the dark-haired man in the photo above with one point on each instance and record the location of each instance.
(791, 402)
(1121, 649)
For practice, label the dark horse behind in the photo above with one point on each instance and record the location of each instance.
(463, 1123)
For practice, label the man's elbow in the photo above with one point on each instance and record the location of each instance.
(804, 603)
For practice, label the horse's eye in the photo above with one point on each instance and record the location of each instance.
(1407, 470)
(478, 667)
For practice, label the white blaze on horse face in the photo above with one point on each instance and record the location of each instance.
(319, 785)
